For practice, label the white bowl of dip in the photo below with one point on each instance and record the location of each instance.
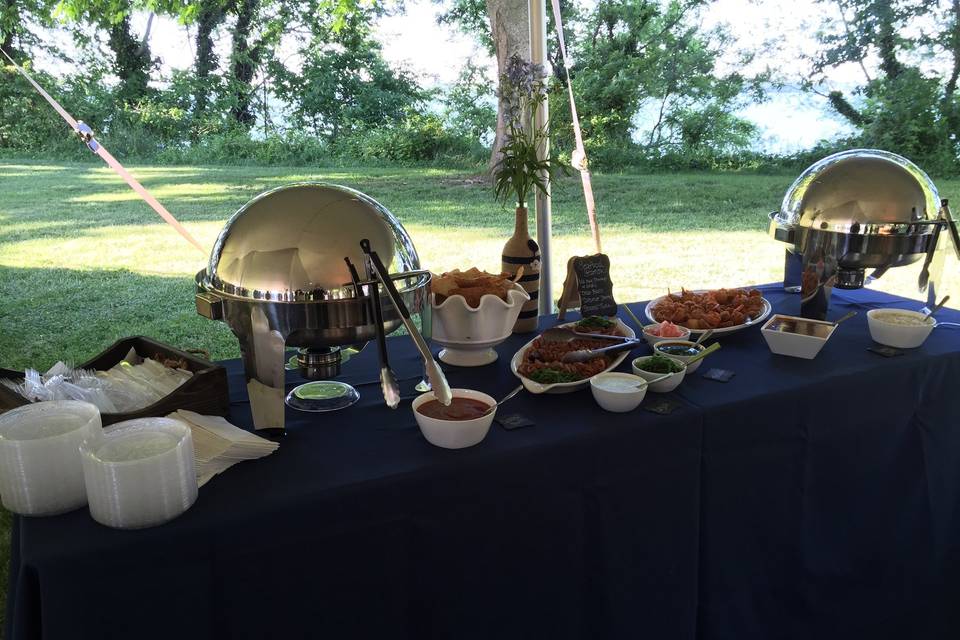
(899, 328)
(618, 392)
(454, 432)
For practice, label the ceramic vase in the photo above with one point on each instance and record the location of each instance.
(522, 251)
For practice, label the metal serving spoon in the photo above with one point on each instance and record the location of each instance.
(649, 382)
(936, 307)
(703, 336)
(504, 399)
(844, 317)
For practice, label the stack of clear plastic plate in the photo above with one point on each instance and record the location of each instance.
(40, 469)
(140, 473)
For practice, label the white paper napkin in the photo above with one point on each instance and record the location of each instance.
(218, 445)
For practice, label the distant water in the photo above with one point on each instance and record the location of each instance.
(788, 121)
(792, 120)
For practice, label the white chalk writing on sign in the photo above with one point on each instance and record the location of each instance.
(595, 285)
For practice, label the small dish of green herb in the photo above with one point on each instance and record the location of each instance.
(651, 368)
(659, 364)
(595, 323)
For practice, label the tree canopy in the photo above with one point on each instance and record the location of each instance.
(283, 80)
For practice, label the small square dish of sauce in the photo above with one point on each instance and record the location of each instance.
(797, 337)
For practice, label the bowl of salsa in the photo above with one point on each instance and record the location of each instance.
(463, 423)
(681, 351)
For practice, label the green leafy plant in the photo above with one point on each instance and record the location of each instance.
(520, 170)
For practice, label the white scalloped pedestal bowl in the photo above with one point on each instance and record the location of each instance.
(468, 335)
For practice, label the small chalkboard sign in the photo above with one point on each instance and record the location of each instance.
(588, 285)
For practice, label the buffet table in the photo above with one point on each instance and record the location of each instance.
(802, 499)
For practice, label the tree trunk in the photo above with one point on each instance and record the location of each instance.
(132, 62)
(510, 27)
(245, 59)
(209, 17)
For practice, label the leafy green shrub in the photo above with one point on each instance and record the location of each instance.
(418, 138)
(470, 104)
(235, 146)
(27, 123)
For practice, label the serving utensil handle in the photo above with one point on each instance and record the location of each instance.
(438, 381)
(937, 307)
(388, 380)
(703, 354)
(626, 345)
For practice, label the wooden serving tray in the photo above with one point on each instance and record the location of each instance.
(206, 392)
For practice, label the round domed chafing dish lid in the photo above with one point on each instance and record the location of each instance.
(860, 192)
(283, 253)
(277, 277)
(289, 244)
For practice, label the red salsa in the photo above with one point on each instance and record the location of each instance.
(459, 409)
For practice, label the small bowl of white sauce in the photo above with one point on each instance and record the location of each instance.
(899, 328)
(618, 392)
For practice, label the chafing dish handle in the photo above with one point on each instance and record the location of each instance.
(438, 381)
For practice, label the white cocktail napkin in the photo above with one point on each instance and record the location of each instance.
(218, 445)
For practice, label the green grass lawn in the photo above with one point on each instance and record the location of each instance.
(83, 262)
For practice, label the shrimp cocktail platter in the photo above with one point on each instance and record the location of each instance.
(720, 310)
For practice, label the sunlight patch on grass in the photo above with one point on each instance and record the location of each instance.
(179, 190)
(148, 249)
(644, 264)
(27, 169)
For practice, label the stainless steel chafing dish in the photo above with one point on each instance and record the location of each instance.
(278, 278)
(857, 210)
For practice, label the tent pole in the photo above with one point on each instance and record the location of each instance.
(538, 55)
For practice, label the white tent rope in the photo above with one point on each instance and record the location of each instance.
(580, 153)
(86, 134)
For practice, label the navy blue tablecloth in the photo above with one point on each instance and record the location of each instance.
(801, 499)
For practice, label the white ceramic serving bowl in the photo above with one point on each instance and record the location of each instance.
(664, 386)
(468, 335)
(455, 434)
(797, 345)
(684, 359)
(618, 400)
(901, 336)
(652, 339)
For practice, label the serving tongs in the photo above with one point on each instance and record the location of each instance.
(564, 334)
(438, 381)
(388, 379)
(585, 355)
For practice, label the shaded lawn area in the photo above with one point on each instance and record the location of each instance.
(83, 262)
